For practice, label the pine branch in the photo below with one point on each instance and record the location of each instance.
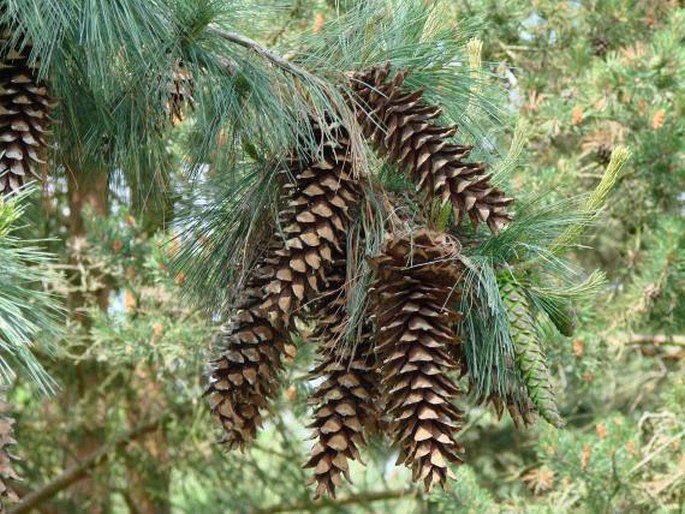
(356, 499)
(78, 471)
(267, 54)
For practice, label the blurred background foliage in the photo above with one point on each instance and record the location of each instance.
(585, 76)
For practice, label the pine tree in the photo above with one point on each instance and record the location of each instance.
(289, 204)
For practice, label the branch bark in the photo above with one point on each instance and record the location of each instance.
(78, 471)
(350, 500)
(267, 54)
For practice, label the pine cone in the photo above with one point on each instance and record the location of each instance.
(314, 223)
(6, 458)
(402, 127)
(346, 402)
(245, 377)
(530, 358)
(414, 304)
(24, 118)
(299, 269)
(180, 93)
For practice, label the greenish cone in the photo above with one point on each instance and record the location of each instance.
(530, 358)
(24, 116)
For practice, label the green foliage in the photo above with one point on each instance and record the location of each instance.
(584, 78)
(29, 313)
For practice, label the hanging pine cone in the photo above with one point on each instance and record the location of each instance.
(245, 377)
(414, 304)
(6, 458)
(346, 405)
(530, 358)
(180, 93)
(24, 117)
(314, 223)
(403, 128)
(294, 271)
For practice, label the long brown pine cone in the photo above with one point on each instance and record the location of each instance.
(24, 117)
(7, 471)
(403, 128)
(245, 377)
(314, 224)
(295, 271)
(414, 304)
(346, 402)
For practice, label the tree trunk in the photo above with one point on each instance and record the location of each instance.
(87, 189)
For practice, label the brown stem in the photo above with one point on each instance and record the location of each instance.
(78, 471)
(349, 500)
(246, 42)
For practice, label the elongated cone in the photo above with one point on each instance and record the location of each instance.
(346, 402)
(246, 375)
(7, 471)
(314, 223)
(530, 357)
(24, 117)
(414, 302)
(404, 129)
(293, 271)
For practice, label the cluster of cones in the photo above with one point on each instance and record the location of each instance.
(398, 375)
